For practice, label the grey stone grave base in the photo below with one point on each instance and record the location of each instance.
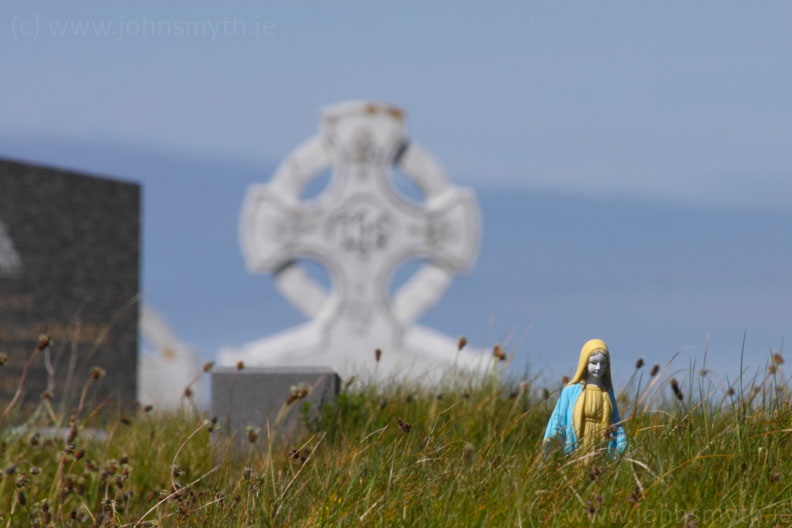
(249, 402)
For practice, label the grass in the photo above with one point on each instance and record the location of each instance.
(388, 454)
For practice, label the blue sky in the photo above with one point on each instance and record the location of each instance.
(665, 126)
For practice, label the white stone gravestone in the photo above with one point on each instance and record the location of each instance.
(10, 262)
(361, 230)
(166, 366)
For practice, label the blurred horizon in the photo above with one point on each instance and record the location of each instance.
(650, 277)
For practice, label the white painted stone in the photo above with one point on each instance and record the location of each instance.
(360, 229)
(166, 366)
(10, 262)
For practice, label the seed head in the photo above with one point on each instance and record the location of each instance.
(240, 365)
(298, 392)
(498, 353)
(404, 427)
(639, 364)
(462, 342)
(636, 496)
(377, 355)
(298, 456)
(188, 392)
(3, 359)
(689, 521)
(655, 370)
(96, 373)
(43, 342)
(778, 359)
(593, 507)
(208, 366)
(46, 395)
(252, 433)
(468, 451)
(677, 390)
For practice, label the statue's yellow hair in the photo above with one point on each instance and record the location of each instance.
(591, 347)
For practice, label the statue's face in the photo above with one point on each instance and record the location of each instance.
(597, 366)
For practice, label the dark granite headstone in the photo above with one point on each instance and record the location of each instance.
(69, 268)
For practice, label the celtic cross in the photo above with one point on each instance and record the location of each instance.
(360, 229)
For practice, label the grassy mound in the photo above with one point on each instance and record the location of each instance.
(399, 455)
